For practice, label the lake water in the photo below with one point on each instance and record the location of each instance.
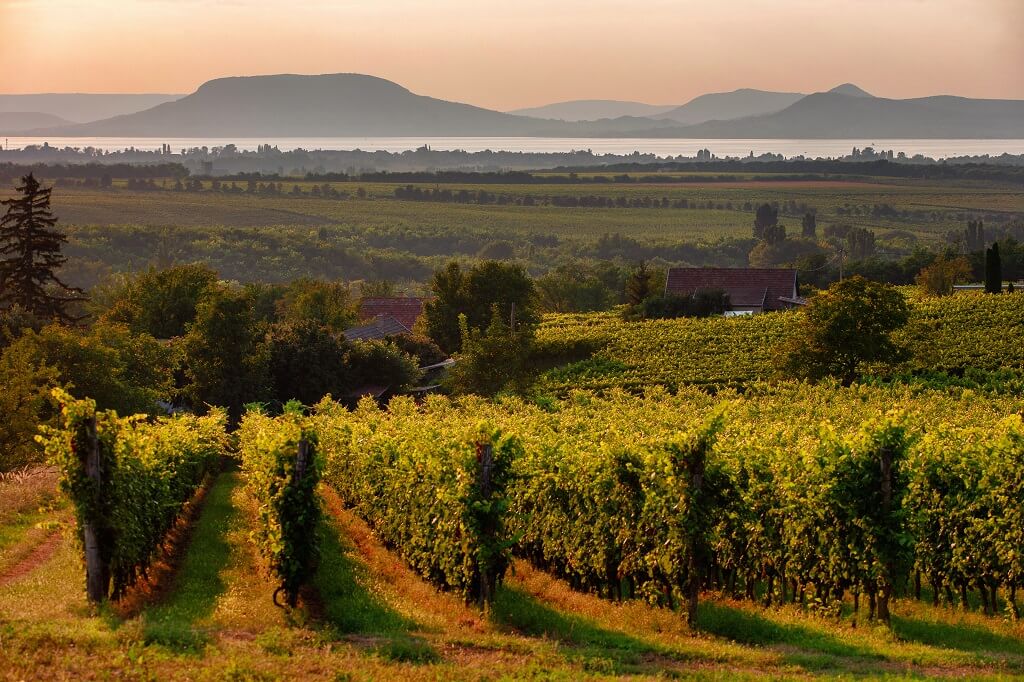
(659, 146)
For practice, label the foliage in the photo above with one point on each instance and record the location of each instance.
(418, 483)
(161, 303)
(119, 369)
(307, 361)
(30, 256)
(845, 327)
(579, 288)
(288, 507)
(493, 360)
(670, 306)
(938, 278)
(149, 470)
(329, 304)
(381, 363)
(24, 403)
(422, 348)
(474, 294)
(993, 270)
(225, 354)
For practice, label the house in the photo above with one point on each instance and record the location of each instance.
(750, 290)
(381, 327)
(405, 309)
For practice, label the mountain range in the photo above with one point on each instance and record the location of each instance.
(81, 107)
(343, 105)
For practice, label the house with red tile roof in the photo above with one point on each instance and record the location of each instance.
(406, 310)
(750, 290)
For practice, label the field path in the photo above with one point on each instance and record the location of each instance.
(36, 557)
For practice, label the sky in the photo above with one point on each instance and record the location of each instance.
(507, 54)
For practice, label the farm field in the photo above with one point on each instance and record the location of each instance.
(206, 611)
(253, 237)
(964, 333)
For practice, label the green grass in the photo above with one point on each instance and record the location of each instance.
(176, 621)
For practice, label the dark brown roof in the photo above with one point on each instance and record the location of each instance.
(406, 310)
(382, 326)
(747, 287)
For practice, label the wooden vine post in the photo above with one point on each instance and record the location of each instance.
(97, 572)
(885, 593)
(301, 460)
(485, 457)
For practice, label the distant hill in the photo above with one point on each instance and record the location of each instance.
(329, 105)
(593, 110)
(353, 105)
(724, 106)
(14, 122)
(850, 89)
(835, 115)
(81, 107)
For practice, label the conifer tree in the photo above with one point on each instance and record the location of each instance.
(30, 256)
(993, 270)
(638, 286)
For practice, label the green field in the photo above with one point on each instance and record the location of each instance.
(260, 237)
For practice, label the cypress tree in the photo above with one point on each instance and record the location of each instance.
(638, 286)
(993, 270)
(30, 256)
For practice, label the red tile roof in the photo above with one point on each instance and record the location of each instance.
(406, 310)
(747, 287)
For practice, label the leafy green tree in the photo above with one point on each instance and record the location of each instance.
(330, 304)
(26, 381)
(381, 363)
(30, 256)
(474, 294)
(492, 360)
(109, 363)
(572, 288)
(993, 270)
(845, 327)
(158, 302)
(669, 306)
(225, 355)
(640, 285)
(307, 361)
(766, 216)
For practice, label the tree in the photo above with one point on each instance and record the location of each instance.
(993, 270)
(492, 360)
(26, 381)
(843, 328)
(639, 285)
(974, 236)
(860, 243)
(158, 302)
(327, 303)
(938, 278)
(30, 256)
(810, 226)
(225, 355)
(306, 362)
(474, 294)
(699, 304)
(765, 217)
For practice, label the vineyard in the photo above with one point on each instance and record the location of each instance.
(650, 527)
(955, 335)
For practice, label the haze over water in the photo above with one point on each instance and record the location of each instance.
(934, 148)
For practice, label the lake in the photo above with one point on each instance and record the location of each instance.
(659, 146)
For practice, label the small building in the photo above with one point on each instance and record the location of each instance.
(405, 309)
(381, 327)
(750, 290)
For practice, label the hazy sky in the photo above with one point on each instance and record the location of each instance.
(513, 53)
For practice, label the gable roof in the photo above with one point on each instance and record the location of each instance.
(382, 326)
(404, 309)
(747, 287)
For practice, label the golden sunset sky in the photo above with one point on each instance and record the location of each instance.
(518, 53)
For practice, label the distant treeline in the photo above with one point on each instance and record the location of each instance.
(92, 171)
(880, 168)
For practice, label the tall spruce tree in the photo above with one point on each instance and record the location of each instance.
(993, 270)
(30, 256)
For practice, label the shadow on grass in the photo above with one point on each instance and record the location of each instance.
(172, 623)
(347, 607)
(599, 649)
(747, 627)
(955, 635)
